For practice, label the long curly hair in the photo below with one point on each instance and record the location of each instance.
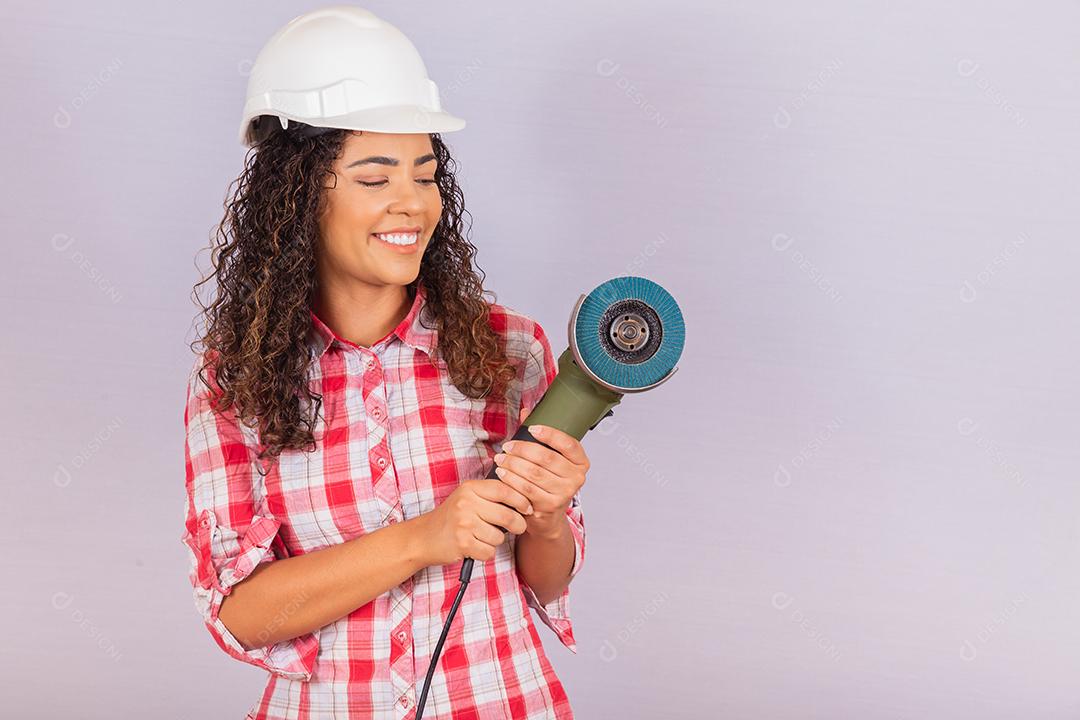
(264, 264)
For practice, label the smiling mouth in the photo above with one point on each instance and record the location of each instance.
(401, 239)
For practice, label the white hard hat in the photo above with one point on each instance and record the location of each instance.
(343, 67)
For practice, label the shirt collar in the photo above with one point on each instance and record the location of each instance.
(410, 330)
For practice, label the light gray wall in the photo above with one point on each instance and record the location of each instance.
(857, 498)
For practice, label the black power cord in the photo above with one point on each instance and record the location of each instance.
(466, 572)
(464, 577)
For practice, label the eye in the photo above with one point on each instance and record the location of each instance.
(383, 182)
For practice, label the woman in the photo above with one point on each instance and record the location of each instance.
(349, 396)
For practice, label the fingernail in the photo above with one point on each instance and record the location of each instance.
(536, 429)
(529, 510)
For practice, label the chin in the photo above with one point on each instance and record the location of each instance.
(400, 278)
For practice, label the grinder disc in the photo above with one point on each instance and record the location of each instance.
(629, 332)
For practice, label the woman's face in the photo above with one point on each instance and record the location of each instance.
(385, 182)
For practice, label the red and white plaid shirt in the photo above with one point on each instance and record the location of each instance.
(397, 439)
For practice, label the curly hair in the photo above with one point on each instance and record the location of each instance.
(264, 263)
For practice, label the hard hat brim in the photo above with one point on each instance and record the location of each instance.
(391, 119)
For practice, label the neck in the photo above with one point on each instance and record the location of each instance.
(363, 315)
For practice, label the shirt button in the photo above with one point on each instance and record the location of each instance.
(376, 413)
(404, 701)
(382, 462)
(391, 520)
(403, 636)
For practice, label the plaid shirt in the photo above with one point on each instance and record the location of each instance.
(394, 438)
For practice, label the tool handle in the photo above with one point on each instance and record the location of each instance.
(522, 434)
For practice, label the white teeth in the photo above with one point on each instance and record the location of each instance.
(398, 238)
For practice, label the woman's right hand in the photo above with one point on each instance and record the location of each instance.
(466, 524)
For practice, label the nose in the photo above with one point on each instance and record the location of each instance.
(407, 199)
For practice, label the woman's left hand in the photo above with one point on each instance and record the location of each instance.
(548, 477)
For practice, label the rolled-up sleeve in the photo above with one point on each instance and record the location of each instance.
(228, 531)
(538, 372)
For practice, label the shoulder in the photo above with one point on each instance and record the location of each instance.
(523, 336)
(203, 410)
(202, 386)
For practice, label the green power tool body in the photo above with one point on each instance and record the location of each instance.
(624, 337)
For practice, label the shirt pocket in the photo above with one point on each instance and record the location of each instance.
(325, 499)
(449, 425)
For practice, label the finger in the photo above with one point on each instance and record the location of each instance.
(498, 492)
(512, 520)
(567, 445)
(545, 457)
(521, 485)
(488, 534)
(534, 473)
(540, 497)
(500, 515)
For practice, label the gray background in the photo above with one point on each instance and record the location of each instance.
(856, 498)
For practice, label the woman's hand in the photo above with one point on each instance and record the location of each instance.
(467, 523)
(549, 478)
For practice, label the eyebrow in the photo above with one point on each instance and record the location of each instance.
(383, 160)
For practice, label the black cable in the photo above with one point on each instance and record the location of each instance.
(466, 573)
(464, 577)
